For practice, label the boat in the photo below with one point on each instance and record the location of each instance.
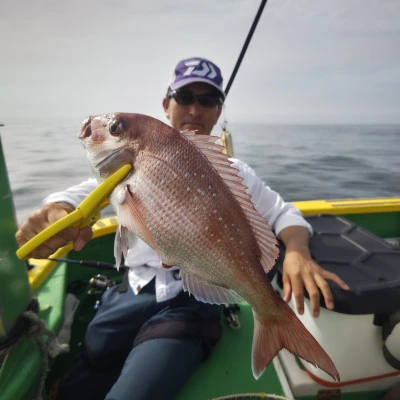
(44, 299)
(45, 306)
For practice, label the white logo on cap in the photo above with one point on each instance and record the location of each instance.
(206, 69)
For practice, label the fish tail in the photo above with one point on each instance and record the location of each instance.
(289, 333)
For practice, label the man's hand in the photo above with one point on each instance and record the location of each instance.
(41, 219)
(301, 272)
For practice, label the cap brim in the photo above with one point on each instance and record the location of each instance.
(184, 82)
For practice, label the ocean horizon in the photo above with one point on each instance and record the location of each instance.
(300, 161)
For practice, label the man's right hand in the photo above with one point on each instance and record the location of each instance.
(44, 217)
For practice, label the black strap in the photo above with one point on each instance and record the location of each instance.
(209, 331)
(390, 358)
(389, 321)
(125, 282)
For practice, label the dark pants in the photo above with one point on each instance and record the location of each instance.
(156, 368)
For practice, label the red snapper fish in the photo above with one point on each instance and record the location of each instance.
(185, 200)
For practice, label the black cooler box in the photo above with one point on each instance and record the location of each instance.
(367, 263)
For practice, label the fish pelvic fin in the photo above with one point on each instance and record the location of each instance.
(288, 332)
(124, 240)
(208, 292)
(130, 222)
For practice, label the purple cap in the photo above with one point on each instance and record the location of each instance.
(196, 69)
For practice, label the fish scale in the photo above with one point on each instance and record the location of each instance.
(195, 206)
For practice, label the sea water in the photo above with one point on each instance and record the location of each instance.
(301, 162)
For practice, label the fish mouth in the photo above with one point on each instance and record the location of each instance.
(85, 128)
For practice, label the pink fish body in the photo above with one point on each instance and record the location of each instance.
(188, 203)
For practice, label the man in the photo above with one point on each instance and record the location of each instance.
(127, 355)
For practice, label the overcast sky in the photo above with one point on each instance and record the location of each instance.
(309, 60)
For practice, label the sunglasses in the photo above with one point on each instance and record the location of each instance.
(186, 98)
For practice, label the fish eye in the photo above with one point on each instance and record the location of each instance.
(115, 127)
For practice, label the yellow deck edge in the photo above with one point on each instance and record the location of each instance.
(349, 206)
(109, 225)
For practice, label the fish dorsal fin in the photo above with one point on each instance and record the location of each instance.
(220, 161)
(130, 220)
(207, 292)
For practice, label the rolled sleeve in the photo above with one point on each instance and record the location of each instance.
(73, 195)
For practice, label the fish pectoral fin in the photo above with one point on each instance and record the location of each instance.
(208, 292)
(124, 239)
(129, 216)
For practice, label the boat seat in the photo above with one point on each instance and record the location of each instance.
(367, 263)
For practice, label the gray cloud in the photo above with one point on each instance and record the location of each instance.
(309, 61)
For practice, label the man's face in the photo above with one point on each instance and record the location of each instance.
(193, 117)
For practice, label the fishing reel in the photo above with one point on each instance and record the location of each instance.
(230, 313)
(99, 284)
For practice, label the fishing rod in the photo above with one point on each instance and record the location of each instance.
(88, 263)
(245, 46)
(103, 265)
(226, 137)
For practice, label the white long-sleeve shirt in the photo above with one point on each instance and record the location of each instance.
(143, 260)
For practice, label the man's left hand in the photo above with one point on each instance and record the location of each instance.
(301, 272)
